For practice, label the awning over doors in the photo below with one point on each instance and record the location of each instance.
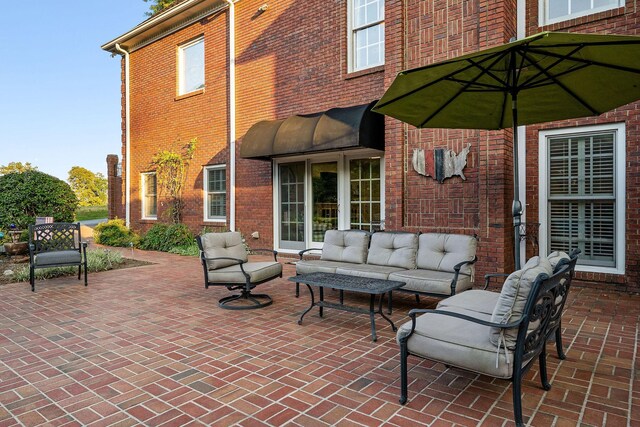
(334, 129)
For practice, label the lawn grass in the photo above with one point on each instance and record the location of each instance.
(91, 212)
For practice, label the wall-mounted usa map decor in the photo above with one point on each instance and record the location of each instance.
(440, 163)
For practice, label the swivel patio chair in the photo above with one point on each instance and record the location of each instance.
(225, 262)
(57, 244)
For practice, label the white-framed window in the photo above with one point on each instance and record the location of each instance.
(149, 195)
(191, 66)
(215, 193)
(582, 195)
(552, 11)
(366, 34)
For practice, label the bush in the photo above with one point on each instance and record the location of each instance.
(97, 260)
(114, 233)
(27, 195)
(163, 237)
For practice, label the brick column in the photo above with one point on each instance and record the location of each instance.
(114, 191)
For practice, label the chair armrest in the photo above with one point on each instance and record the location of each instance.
(456, 269)
(304, 251)
(237, 260)
(414, 312)
(488, 277)
(271, 251)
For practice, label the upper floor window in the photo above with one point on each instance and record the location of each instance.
(552, 11)
(215, 180)
(149, 196)
(191, 66)
(366, 34)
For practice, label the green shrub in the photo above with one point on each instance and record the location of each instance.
(187, 250)
(97, 260)
(163, 237)
(27, 195)
(114, 233)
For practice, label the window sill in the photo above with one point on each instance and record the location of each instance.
(148, 219)
(580, 20)
(189, 95)
(217, 221)
(365, 72)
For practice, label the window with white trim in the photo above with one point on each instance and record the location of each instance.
(215, 180)
(366, 34)
(552, 11)
(149, 195)
(585, 194)
(191, 66)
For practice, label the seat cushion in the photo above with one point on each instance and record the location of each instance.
(57, 258)
(320, 266)
(258, 271)
(513, 298)
(441, 252)
(476, 300)
(457, 342)
(430, 281)
(228, 244)
(393, 249)
(345, 246)
(367, 270)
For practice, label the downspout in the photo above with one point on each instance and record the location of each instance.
(232, 115)
(127, 122)
(521, 32)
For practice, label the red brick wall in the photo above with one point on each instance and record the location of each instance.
(617, 21)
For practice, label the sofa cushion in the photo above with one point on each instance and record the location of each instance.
(345, 246)
(319, 266)
(393, 249)
(439, 251)
(430, 281)
(223, 245)
(513, 298)
(477, 300)
(368, 270)
(258, 271)
(557, 259)
(457, 342)
(57, 257)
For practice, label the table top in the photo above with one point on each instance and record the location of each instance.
(348, 283)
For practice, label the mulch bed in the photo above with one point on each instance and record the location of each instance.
(17, 262)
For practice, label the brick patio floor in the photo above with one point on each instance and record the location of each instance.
(150, 346)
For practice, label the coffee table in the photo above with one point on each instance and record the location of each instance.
(342, 282)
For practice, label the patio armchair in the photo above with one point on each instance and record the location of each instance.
(502, 344)
(225, 261)
(57, 244)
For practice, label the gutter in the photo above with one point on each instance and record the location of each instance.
(127, 120)
(232, 115)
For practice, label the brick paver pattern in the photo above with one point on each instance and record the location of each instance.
(150, 346)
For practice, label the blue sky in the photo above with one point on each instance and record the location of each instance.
(60, 97)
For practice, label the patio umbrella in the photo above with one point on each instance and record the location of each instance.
(541, 78)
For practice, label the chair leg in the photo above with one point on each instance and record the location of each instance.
(85, 273)
(517, 397)
(417, 299)
(297, 290)
(32, 279)
(559, 346)
(79, 271)
(403, 370)
(542, 360)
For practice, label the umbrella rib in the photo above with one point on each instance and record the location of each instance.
(589, 62)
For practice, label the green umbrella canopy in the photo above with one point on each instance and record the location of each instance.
(553, 75)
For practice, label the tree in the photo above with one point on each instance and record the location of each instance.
(159, 5)
(171, 172)
(89, 187)
(17, 167)
(30, 194)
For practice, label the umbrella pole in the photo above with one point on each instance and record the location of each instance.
(516, 206)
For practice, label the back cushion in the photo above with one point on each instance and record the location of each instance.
(441, 252)
(513, 298)
(223, 245)
(345, 246)
(557, 259)
(393, 250)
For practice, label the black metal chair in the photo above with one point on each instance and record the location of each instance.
(57, 244)
(226, 263)
(459, 337)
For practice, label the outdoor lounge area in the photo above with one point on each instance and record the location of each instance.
(150, 346)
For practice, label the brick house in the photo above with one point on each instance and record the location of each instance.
(264, 85)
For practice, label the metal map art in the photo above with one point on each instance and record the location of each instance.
(440, 163)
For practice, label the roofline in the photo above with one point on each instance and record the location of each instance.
(143, 33)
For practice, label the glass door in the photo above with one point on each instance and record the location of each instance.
(291, 200)
(324, 196)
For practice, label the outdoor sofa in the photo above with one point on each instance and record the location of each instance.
(432, 264)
